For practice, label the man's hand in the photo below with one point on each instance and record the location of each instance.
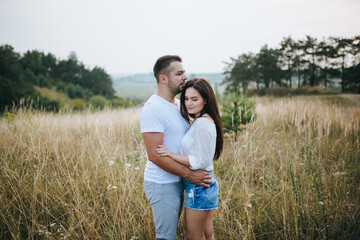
(200, 177)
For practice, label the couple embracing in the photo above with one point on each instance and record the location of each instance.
(181, 139)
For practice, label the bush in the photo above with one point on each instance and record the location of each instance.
(79, 104)
(43, 81)
(49, 105)
(75, 91)
(237, 110)
(262, 92)
(98, 101)
(60, 86)
(120, 102)
(285, 91)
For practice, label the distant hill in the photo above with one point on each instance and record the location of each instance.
(139, 87)
(149, 77)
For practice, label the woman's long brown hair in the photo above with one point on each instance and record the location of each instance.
(210, 107)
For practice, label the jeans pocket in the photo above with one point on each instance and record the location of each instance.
(212, 194)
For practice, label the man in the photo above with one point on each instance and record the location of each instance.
(162, 124)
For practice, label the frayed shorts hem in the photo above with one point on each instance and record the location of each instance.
(201, 209)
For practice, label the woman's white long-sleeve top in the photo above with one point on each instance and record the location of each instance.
(199, 144)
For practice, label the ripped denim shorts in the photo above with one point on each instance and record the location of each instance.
(201, 198)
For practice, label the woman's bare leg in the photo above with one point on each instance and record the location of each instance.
(198, 224)
(209, 228)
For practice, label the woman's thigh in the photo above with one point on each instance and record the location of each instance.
(197, 222)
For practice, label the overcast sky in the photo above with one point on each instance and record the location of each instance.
(128, 36)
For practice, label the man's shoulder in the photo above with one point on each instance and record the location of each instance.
(152, 104)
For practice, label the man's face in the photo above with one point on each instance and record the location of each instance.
(176, 77)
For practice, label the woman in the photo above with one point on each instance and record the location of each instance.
(201, 144)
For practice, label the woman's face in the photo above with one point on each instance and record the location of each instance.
(194, 102)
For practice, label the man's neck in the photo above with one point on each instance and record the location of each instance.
(166, 95)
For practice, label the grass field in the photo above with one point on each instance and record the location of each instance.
(292, 174)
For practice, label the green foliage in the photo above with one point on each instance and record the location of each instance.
(288, 92)
(98, 101)
(47, 104)
(20, 74)
(237, 111)
(75, 91)
(79, 104)
(119, 102)
(60, 86)
(312, 62)
(262, 92)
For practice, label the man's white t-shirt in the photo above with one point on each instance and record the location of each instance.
(159, 115)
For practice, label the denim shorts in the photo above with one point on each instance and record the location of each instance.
(201, 198)
(165, 200)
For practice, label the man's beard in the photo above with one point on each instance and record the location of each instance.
(175, 89)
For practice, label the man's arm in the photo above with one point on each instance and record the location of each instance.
(152, 140)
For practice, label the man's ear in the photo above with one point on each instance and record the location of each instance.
(163, 79)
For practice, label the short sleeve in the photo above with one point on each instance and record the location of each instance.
(205, 149)
(151, 120)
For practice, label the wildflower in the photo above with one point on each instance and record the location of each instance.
(339, 173)
(247, 205)
(53, 224)
(261, 178)
(111, 186)
(301, 164)
(244, 146)
(128, 165)
(321, 203)
(137, 168)
(111, 162)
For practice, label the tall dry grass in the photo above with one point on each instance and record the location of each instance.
(293, 174)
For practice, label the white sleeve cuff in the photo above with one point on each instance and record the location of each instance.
(193, 162)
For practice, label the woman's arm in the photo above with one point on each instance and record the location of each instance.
(177, 157)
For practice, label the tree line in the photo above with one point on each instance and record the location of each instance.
(307, 62)
(19, 73)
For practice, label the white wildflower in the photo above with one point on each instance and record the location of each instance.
(53, 224)
(248, 205)
(128, 165)
(244, 146)
(339, 173)
(111, 187)
(321, 203)
(137, 168)
(111, 162)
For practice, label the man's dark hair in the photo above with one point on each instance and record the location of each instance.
(164, 62)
